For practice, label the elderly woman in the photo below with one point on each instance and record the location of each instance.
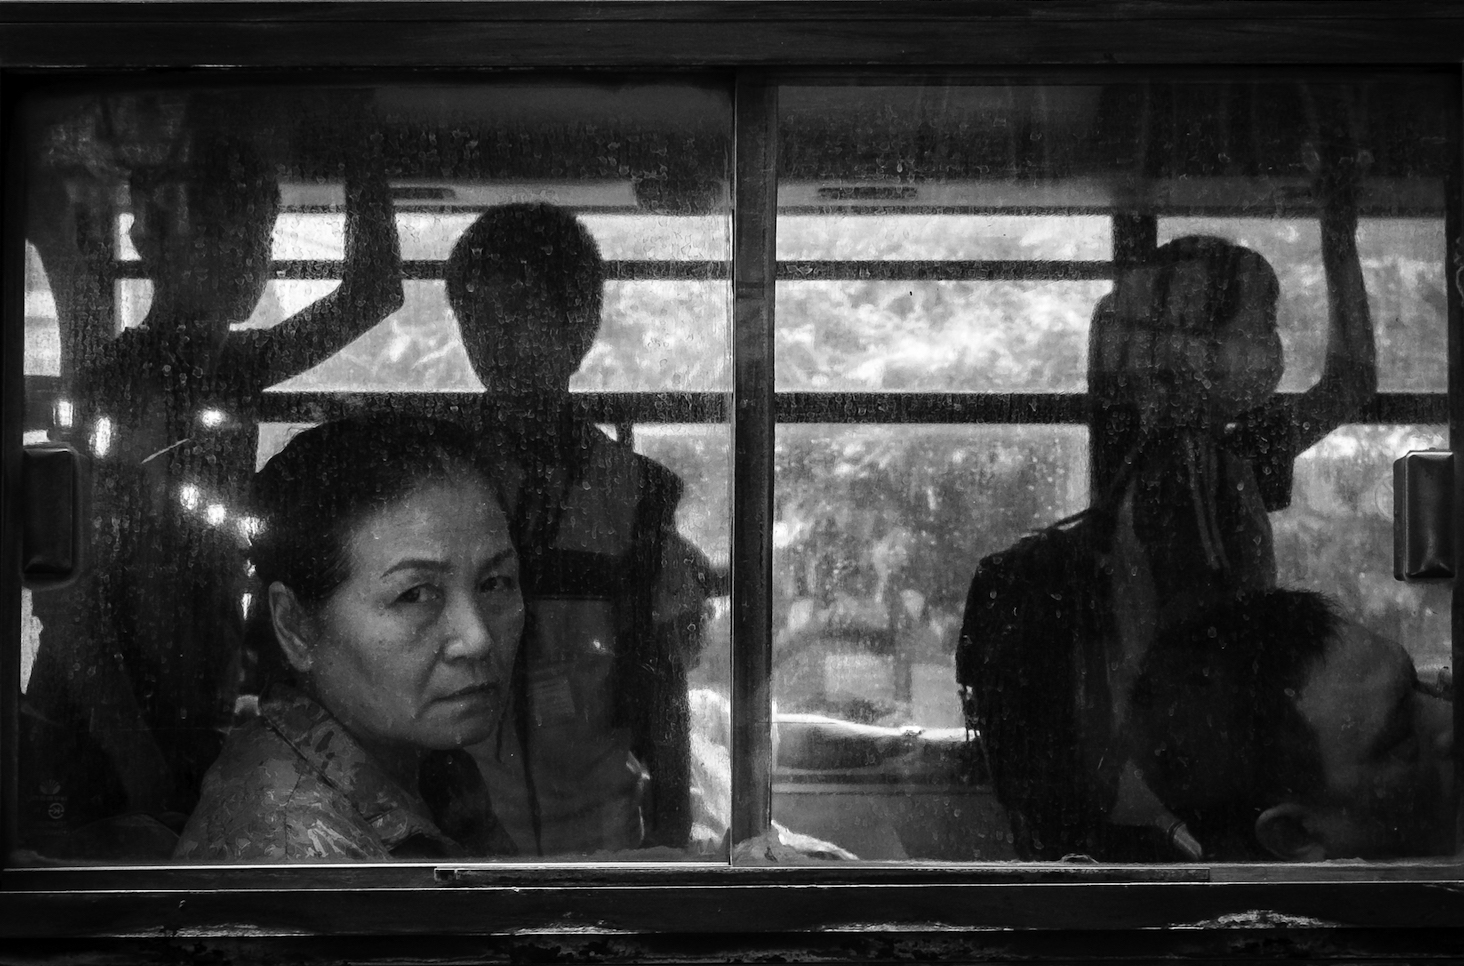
(392, 590)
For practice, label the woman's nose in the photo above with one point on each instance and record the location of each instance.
(468, 633)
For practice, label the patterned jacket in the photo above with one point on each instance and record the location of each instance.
(293, 785)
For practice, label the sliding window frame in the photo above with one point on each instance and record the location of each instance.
(378, 913)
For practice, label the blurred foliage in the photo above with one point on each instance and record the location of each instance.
(877, 529)
(1337, 536)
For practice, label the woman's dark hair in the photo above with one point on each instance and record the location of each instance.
(541, 246)
(309, 496)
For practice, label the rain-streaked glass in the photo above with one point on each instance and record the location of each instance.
(211, 273)
(1194, 451)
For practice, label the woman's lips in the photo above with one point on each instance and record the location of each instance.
(484, 691)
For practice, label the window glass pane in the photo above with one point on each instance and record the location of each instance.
(430, 235)
(1402, 267)
(876, 531)
(1341, 517)
(700, 455)
(42, 336)
(654, 336)
(327, 610)
(1228, 271)
(934, 336)
(296, 235)
(940, 237)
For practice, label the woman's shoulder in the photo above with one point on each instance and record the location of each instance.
(263, 802)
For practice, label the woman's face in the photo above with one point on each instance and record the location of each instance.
(416, 646)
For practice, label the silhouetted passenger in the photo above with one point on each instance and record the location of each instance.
(1276, 728)
(1186, 362)
(1186, 347)
(137, 667)
(614, 594)
(391, 582)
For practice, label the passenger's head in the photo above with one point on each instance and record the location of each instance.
(1194, 328)
(202, 228)
(1276, 728)
(392, 584)
(525, 281)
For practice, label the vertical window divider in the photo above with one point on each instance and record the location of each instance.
(754, 274)
(1454, 316)
(12, 409)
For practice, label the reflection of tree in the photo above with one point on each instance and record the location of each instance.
(1336, 536)
(935, 336)
(878, 529)
(892, 524)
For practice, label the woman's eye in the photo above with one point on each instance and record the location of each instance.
(499, 584)
(419, 594)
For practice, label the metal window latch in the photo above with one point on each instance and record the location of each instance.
(1423, 516)
(51, 527)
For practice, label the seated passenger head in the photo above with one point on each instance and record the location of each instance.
(1276, 728)
(202, 229)
(391, 582)
(525, 282)
(1195, 323)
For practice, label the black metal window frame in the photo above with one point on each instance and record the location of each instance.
(502, 911)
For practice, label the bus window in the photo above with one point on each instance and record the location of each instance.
(403, 413)
(1138, 357)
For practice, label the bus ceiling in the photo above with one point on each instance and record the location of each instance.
(971, 146)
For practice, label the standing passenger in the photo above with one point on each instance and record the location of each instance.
(1186, 361)
(136, 670)
(1187, 347)
(614, 593)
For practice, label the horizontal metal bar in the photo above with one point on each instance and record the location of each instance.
(990, 36)
(426, 270)
(944, 271)
(872, 407)
(1166, 209)
(1035, 407)
(682, 407)
(726, 14)
(812, 407)
(712, 407)
(610, 407)
(808, 270)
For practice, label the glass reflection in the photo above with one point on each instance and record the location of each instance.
(1271, 250)
(137, 662)
(215, 272)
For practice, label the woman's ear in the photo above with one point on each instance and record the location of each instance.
(291, 626)
(1287, 832)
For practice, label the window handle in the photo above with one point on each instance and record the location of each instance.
(51, 513)
(1423, 516)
